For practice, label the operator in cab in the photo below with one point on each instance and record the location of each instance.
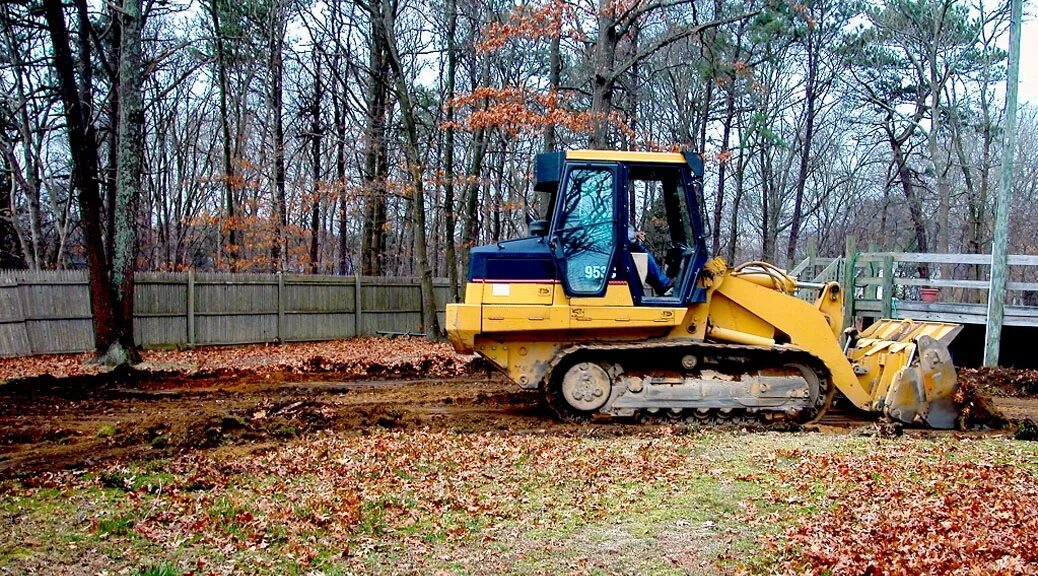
(659, 281)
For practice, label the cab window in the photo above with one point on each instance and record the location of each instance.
(585, 230)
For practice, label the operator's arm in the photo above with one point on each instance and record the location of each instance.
(635, 239)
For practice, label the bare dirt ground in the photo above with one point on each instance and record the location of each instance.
(49, 425)
(205, 400)
(60, 412)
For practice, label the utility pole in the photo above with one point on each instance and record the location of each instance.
(1000, 245)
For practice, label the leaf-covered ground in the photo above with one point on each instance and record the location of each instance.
(646, 500)
(949, 507)
(383, 357)
(373, 356)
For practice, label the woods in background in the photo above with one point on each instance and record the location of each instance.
(385, 137)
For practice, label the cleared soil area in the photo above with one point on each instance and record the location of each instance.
(51, 424)
(393, 457)
(48, 426)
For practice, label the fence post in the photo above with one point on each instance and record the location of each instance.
(421, 305)
(281, 307)
(848, 282)
(888, 287)
(1000, 242)
(812, 257)
(191, 308)
(356, 305)
(872, 292)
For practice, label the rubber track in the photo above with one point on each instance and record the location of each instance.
(780, 356)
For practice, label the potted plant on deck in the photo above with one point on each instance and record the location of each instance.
(928, 295)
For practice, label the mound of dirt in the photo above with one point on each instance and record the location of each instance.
(1011, 382)
(976, 409)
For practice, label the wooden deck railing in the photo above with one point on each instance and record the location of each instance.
(936, 287)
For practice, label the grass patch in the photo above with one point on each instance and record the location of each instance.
(286, 432)
(229, 515)
(121, 525)
(130, 480)
(107, 431)
(158, 570)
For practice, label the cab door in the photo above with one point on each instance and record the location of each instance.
(583, 239)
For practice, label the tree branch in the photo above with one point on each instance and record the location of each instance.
(667, 41)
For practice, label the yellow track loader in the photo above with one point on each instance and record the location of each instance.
(572, 310)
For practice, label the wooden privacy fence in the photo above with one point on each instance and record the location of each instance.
(45, 312)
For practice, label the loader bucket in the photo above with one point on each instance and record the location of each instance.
(908, 370)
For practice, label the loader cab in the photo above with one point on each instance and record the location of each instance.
(596, 196)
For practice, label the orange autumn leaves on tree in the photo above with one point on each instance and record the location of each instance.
(530, 109)
(255, 224)
(517, 110)
(549, 20)
(526, 21)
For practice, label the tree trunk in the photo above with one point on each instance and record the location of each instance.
(412, 151)
(31, 176)
(277, 73)
(765, 208)
(11, 256)
(554, 80)
(315, 168)
(943, 193)
(475, 168)
(726, 136)
(705, 115)
(974, 208)
(448, 155)
(740, 179)
(633, 96)
(498, 199)
(603, 80)
(84, 175)
(978, 229)
(111, 184)
(375, 161)
(708, 96)
(229, 178)
(437, 229)
(471, 235)
(803, 172)
(915, 208)
(340, 177)
(129, 184)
